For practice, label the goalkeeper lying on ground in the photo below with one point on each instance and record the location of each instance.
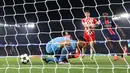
(61, 47)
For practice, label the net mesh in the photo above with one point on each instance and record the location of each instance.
(27, 25)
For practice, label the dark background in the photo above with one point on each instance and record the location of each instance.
(51, 19)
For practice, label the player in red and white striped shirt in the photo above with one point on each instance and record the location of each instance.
(89, 34)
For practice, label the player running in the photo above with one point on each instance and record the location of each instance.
(89, 34)
(60, 47)
(111, 35)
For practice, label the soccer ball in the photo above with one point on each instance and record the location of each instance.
(24, 58)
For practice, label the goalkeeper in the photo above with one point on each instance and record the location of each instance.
(60, 47)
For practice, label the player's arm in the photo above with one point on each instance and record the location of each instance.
(118, 28)
(121, 31)
(96, 22)
(84, 23)
(65, 43)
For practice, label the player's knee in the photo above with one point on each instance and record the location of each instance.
(91, 42)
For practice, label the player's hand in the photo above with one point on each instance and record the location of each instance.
(65, 43)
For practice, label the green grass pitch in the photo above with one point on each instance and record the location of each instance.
(102, 64)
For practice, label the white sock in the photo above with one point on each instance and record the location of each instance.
(115, 54)
(91, 52)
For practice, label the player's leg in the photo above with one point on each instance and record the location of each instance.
(92, 50)
(119, 46)
(121, 51)
(91, 42)
(51, 49)
(53, 59)
(57, 57)
(64, 55)
(90, 39)
(125, 51)
(122, 46)
(115, 50)
(111, 47)
(44, 56)
(46, 52)
(109, 43)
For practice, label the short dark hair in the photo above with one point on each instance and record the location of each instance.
(86, 11)
(105, 13)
